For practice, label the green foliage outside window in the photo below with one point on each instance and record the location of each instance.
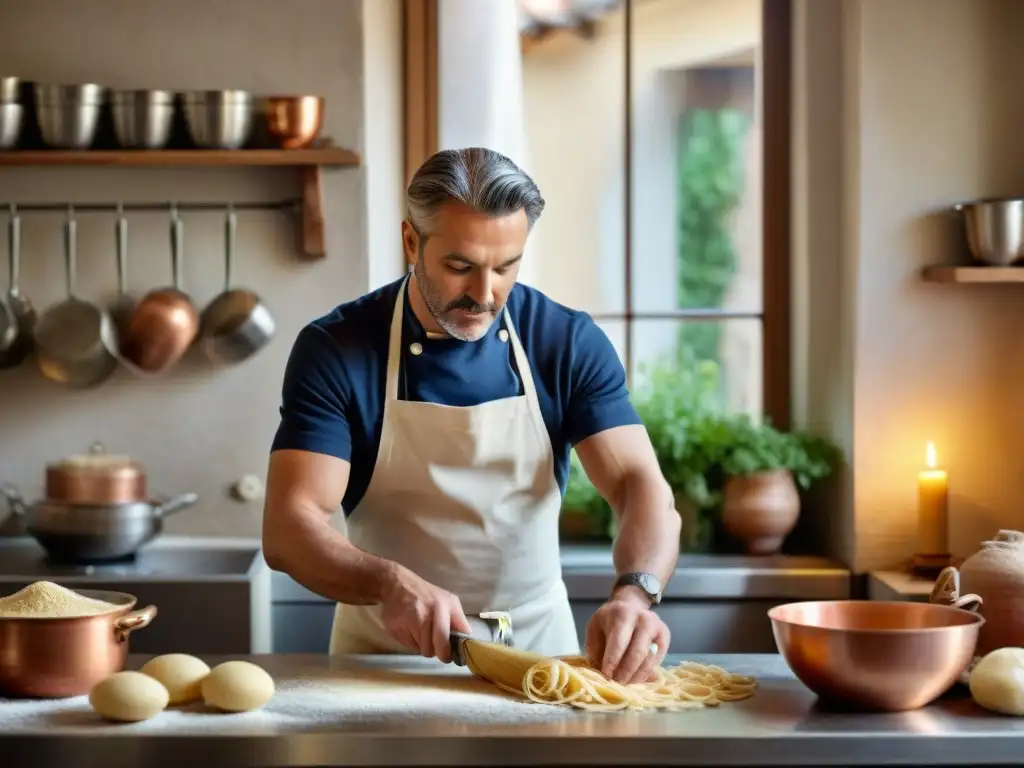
(711, 183)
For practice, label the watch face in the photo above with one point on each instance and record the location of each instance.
(649, 584)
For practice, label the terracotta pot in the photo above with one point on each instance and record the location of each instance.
(995, 573)
(760, 510)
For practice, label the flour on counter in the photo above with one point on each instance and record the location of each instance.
(318, 701)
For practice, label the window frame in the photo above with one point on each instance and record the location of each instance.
(421, 94)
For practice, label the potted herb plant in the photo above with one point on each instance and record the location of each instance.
(764, 469)
(674, 403)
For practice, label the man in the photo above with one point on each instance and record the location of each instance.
(439, 412)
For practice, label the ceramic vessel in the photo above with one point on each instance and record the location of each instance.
(996, 574)
(760, 510)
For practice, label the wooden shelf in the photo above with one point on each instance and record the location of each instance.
(329, 156)
(944, 274)
(310, 161)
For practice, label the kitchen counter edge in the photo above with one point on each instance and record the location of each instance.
(783, 725)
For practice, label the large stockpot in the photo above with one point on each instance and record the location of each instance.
(93, 533)
(58, 658)
(95, 478)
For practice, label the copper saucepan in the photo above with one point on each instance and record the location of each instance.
(57, 658)
(165, 322)
(96, 478)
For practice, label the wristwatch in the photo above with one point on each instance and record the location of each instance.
(648, 583)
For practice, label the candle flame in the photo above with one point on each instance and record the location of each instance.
(930, 457)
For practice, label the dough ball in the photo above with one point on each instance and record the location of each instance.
(237, 686)
(182, 675)
(997, 682)
(128, 697)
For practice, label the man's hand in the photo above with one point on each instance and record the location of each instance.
(421, 616)
(619, 637)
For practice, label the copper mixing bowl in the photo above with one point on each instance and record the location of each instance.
(872, 654)
(294, 121)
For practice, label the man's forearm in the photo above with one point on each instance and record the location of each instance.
(649, 526)
(325, 562)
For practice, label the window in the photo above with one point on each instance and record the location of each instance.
(658, 131)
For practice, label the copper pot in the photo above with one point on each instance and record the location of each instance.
(57, 658)
(876, 654)
(97, 478)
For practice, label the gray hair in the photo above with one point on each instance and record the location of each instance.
(481, 178)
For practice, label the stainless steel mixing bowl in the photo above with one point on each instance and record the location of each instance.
(69, 114)
(995, 230)
(142, 118)
(218, 119)
(11, 119)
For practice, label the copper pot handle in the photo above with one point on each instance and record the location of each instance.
(130, 622)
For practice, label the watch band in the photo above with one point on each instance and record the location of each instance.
(647, 583)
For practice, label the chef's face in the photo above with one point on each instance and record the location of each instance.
(467, 266)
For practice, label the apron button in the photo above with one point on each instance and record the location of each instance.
(416, 348)
(503, 334)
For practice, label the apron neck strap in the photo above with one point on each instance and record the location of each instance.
(395, 344)
(395, 350)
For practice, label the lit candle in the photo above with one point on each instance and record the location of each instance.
(932, 507)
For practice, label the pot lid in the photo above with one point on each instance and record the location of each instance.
(97, 459)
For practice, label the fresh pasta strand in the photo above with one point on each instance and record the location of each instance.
(571, 681)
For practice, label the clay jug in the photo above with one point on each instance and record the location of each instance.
(996, 574)
(761, 509)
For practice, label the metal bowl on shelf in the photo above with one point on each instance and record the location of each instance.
(294, 122)
(10, 89)
(142, 118)
(218, 119)
(874, 654)
(11, 119)
(68, 115)
(995, 230)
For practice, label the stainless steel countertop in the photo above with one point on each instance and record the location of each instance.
(589, 573)
(781, 726)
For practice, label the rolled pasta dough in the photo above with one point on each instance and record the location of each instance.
(128, 697)
(181, 674)
(997, 682)
(237, 686)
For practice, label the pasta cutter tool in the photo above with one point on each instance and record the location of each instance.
(487, 627)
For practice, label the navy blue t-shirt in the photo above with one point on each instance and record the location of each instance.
(333, 392)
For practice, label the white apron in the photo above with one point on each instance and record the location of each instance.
(466, 498)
